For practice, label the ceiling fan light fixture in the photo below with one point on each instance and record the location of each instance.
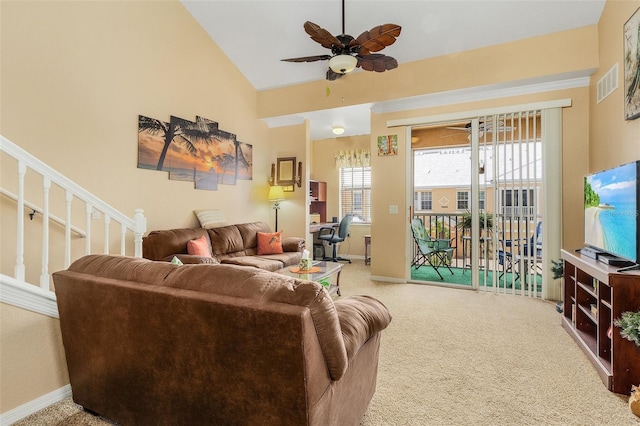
(343, 64)
(337, 130)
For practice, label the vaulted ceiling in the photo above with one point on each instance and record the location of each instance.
(256, 35)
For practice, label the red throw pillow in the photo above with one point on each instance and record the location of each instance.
(270, 242)
(199, 247)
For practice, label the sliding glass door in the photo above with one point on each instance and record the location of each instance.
(478, 184)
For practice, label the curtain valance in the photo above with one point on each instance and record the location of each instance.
(353, 158)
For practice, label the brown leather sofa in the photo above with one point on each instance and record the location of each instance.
(233, 244)
(155, 343)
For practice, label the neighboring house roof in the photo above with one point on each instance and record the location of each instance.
(451, 166)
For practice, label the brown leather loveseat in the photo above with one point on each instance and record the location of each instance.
(233, 244)
(156, 343)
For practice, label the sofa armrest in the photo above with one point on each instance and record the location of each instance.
(360, 317)
(293, 244)
(190, 258)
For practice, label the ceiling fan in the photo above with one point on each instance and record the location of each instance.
(348, 53)
(482, 128)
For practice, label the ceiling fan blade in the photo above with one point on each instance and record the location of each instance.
(377, 38)
(465, 129)
(308, 58)
(450, 134)
(332, 75)
(376, 62)
(322, 36)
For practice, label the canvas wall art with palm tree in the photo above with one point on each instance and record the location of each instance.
(194, 151)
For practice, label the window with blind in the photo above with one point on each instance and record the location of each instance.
(422, 200)
(518, 203)
(355, 193)
(463, 198)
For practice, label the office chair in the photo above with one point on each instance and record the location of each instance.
(328, 234)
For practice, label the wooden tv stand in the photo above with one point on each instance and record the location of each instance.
(595, 295)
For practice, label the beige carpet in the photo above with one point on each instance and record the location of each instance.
(457, 357)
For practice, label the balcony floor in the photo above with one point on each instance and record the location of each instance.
(462, 276)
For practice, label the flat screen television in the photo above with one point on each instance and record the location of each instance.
(611, 218)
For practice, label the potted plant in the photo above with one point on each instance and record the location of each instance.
(629, 323)
(557, 269)
(465, 221)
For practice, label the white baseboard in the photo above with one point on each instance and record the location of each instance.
(37, 404)
(388, 279)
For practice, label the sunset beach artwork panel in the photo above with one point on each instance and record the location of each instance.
(191, 151)
(151, 138)
(244, 161)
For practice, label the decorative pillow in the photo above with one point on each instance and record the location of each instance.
(211, 218)
(176, 261)
(199, 247)
(270, 242)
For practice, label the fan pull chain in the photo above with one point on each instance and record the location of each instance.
(343, 32)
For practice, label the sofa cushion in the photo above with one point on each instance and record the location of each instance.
(269, 242)
(199, 247)
(249, 232)
(254, 261)
(226, 240)
(211, 218)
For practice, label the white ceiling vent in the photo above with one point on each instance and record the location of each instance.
(608, 83)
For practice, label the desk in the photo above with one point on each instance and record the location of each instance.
(315, 227)
(367, 243)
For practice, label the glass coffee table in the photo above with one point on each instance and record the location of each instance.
(325, 273)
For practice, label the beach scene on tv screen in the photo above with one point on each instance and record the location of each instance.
(610, 211)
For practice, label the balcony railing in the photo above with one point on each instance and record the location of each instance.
(506, 227)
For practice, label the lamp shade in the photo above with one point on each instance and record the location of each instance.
(276, 193)
(343, 64)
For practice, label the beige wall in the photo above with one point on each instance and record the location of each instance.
(32, 356)
(613, 141)
(290, 141)
(324, 170)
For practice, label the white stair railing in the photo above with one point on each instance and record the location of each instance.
(94, 207)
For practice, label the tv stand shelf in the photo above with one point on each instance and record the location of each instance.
(595, 295)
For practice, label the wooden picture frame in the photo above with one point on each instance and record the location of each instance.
(631, 63)
(285, 172)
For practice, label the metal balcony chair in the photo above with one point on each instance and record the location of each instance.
(507, 260)
(533, 250)
(430, 251)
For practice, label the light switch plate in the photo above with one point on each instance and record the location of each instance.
(393, 209)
